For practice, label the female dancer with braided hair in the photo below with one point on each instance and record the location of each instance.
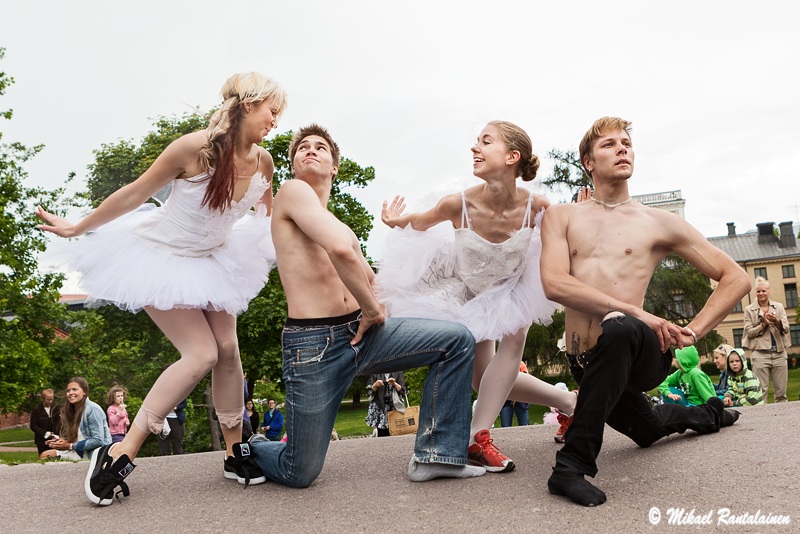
(187, 264)
(481, 270)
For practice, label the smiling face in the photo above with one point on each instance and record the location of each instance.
(611, 157)
(312, 157)
(258, 120)
(75, 393)
(490, 153)
(719, 359)
(763, 293)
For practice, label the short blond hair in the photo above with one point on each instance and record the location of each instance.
(597, 130)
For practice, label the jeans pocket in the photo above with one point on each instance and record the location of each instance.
(306, 352)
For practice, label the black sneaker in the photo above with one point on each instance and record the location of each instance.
(105, 474)
(242, 467)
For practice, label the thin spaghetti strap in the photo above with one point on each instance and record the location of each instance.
(526, 220)
(465, 222)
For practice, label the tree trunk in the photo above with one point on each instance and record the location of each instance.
(356, 399)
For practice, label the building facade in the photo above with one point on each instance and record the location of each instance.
(773, 254)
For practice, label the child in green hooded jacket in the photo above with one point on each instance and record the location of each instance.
(689, 385)
(744, 388)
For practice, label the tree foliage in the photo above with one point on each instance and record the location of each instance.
(29, 308)
(568, 173)
(677, 291)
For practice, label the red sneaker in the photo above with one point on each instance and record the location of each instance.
(563, 421)
(486, 454)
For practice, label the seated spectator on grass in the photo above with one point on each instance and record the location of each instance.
(689, 385)
(83, 425)
(721, 361)
(45, 421)
(744, 388)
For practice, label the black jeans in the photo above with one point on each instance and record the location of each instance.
(626, 361)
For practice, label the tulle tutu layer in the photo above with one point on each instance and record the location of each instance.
(417, 277)
(118, 267)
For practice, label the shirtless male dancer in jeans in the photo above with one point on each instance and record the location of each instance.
(336, 330)
(597, 260)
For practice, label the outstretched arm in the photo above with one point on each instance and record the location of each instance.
(392, 214)
(179, 155)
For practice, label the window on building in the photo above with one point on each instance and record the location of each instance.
(795, 333)
(737, 336)
(760, 271)
(791, 295)
(737, 308)
(788, 271)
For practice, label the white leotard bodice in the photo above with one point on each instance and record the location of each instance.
(186, 228)
(481, 264)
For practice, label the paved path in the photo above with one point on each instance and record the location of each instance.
(9, 446)
(750, 467)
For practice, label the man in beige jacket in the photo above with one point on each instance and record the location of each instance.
(766, 333)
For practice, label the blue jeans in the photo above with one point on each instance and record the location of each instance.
(319, 364)
(509, 409)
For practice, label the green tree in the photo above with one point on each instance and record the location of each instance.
(28, 299)
(568, 173)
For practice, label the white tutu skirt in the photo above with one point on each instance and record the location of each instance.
(418, 277)
(118, 267)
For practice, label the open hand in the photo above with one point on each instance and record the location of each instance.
(55, 224)
(390, 212)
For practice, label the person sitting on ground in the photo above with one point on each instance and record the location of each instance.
(45, 421)
(273, 422)
(689, 385)
(721, 361)
(84, 428)
(744, 389)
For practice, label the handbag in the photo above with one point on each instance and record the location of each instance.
(403, 423)
(398, 402)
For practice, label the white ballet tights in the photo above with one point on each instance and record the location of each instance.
(496, 378)
(206, 341)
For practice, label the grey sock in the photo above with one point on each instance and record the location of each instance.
(419, 472)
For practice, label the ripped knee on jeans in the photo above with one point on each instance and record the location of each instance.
(230, 418)
(612, 315)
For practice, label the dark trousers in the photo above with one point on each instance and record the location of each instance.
(175, 439)
(626, 361)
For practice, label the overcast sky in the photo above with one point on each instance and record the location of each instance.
(711, 87)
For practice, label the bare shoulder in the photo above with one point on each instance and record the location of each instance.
(539, 202)
(267, 164)
(190, 143)
(449, 207)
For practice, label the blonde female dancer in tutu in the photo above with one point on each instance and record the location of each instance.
(187, 264)
(480, 269)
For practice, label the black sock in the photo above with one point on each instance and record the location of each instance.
(729, 417)
(574, 486)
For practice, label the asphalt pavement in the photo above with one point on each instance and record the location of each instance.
(682, 483)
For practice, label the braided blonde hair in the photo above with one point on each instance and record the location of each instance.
(223, 128)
